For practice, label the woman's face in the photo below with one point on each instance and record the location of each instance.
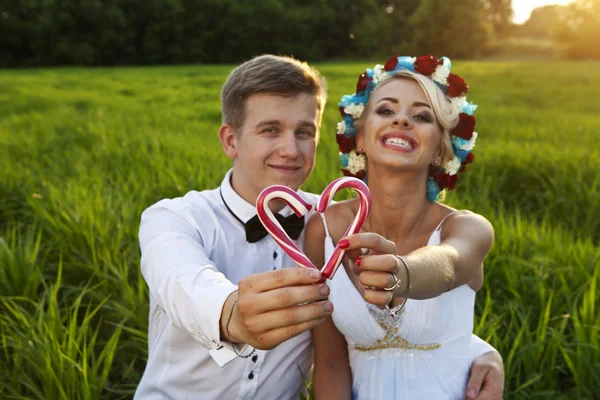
(399, 128)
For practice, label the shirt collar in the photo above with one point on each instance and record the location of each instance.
(240, 207)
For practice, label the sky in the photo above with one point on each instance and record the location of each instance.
(523, 8)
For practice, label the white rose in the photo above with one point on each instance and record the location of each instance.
(378, 73)
(341, 127)
(470, 144)
(441, 73)
(459, 102)
(355, 110)
(356, 162)
(452, 166)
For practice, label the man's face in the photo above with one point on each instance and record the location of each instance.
(276, 144)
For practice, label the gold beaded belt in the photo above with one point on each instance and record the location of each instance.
(394, 341)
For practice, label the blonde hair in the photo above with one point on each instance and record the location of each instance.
(280, 75)
(445, 113)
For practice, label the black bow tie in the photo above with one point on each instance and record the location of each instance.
(292, 225)
(255, 230)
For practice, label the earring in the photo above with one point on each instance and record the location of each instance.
(436, 162)
(359, 150)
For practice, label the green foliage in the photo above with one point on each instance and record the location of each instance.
(455, 29)
(83, 152)
(126, 32)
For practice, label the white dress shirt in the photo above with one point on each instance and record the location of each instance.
(194, 252)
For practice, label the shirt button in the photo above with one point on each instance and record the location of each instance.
(255, 358)
(274, 255)
(251, 375)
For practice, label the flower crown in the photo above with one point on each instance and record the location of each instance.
(462, 136)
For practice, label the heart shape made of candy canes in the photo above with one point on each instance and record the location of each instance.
(301, 207)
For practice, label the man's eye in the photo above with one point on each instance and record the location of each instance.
(269, 130)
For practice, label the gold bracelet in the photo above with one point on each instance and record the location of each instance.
(238, 354)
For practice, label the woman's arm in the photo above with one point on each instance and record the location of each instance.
(331, 375)
(434, 270)
(466, 241)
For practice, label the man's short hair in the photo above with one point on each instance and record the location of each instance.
(280, 75)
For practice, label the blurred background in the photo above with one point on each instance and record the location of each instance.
(134, 32)
(108, 106)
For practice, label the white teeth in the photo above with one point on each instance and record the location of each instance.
(396, 141)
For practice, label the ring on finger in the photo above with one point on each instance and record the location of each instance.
(395, 285)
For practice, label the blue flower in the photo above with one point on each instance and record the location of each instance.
(344, 159)
(461, 154)
(433, 190)
(405, 63)
(469, 108)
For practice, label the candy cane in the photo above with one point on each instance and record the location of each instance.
(265, 215)
(364, 208)
(301, 207)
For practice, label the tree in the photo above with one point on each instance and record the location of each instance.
(455, 29)
(499, 13)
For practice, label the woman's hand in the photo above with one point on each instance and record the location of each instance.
(378, 269)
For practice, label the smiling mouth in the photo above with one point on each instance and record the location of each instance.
(285, 168)
(399, 142)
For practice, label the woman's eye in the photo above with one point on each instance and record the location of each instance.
(423, 117)
(385, 111)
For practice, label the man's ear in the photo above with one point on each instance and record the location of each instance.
(228, 141)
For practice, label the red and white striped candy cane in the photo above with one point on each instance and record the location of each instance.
(301, 207)
(364, 208)
(297, 204)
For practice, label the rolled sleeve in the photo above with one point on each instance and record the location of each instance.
(181, 277)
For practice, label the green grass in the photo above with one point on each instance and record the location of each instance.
(84, 151)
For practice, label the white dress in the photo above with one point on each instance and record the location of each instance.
(424, 352)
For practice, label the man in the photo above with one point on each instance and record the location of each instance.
(216, 281)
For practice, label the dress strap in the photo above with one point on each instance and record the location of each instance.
(439, 227)
(325, 225)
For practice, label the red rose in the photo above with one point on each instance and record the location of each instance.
(465, 127)
(445, 181)
(344, 143)
(426, 65)
(360, 175)
(469, 159)
(363, 82)
(457, 86)
(342, 113)
(466, 162)
(390, 64)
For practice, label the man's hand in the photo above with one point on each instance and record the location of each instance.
(487, 378)
(275, 306)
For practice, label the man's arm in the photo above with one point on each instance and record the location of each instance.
(181, 277)
(198, 298)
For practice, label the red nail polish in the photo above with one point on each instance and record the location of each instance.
(344, 244)
(357, 261)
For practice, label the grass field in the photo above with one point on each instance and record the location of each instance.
(84, 151)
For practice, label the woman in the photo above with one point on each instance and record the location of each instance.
(402, 326)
